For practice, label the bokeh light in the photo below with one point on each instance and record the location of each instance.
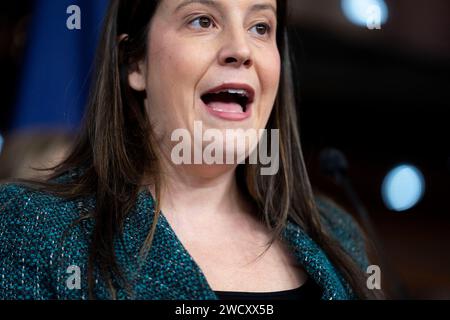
(1, 143)
(359, 12)
(403, 187)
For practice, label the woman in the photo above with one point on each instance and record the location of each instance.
(118, 219)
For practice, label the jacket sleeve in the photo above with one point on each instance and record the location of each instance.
(22, 247)
(344, 228)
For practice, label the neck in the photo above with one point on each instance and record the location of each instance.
(201, 192)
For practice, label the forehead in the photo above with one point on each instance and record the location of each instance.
(178, 4)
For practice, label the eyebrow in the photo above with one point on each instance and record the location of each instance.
(263, 6)
(212, 3)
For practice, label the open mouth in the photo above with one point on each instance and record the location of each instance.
(229, 99)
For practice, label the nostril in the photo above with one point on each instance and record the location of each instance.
(230, 60)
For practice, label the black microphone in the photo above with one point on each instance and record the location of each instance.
(333, 163)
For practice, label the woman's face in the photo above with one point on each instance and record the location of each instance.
(213, 61)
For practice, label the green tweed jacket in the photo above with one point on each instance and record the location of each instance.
(40, 253)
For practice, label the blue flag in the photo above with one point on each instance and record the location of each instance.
(58, 63)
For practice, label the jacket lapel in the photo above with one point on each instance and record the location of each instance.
(315, 263)
(169, 272)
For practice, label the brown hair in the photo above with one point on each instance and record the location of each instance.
(116, 147)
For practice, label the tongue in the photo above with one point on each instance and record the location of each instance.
(231, 107)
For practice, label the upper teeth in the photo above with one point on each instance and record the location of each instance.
(236, 91)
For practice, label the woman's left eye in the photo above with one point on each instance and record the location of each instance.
(261, 29)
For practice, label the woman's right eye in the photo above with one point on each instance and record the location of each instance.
(203, 22)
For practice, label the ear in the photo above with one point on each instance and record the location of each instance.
(136, 71)
(136, 77)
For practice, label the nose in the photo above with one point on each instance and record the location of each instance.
(236, 51)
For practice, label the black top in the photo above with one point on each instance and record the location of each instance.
(308, 291)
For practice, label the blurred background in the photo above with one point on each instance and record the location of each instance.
(374, 83)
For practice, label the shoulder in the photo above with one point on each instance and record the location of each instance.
(344, 228)
(24, 205)
(32, 227)
(24, 201)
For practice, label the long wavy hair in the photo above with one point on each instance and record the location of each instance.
(116, 148)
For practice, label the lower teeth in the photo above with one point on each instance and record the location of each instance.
(221, 110)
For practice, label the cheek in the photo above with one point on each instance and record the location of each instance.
(270, 72)
(161, 69)
(169, 83)
(175, 67)
(269, 75)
